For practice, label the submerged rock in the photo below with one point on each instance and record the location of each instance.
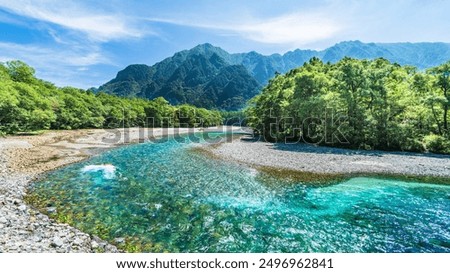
(119, 240)
(51, 210)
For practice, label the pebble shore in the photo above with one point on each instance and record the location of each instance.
(326, 160)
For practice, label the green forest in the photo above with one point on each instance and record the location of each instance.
(29, 104)
(379, 105)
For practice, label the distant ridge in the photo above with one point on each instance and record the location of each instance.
(420, 55)
(208, 76)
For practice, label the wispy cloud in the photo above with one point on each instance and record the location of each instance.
(72, 38)
(296, 29)
(37, 53)
(99, 26)
(56, 63)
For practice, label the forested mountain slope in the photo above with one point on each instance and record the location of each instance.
(208, 76)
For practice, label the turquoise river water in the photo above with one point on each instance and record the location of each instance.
(166, 197)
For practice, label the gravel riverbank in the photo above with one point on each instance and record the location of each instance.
(326, 160)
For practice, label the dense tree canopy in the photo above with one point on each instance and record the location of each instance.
(357, 103)
(29, 104)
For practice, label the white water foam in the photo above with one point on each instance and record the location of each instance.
(109, 171)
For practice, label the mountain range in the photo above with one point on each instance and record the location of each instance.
(210, 77)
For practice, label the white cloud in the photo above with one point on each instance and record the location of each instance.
(295, 29)
(78, 33)
(96, 25)
(298, 29)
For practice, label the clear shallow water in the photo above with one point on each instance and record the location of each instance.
(165, 197)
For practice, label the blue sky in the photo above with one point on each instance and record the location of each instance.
(85, 43)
